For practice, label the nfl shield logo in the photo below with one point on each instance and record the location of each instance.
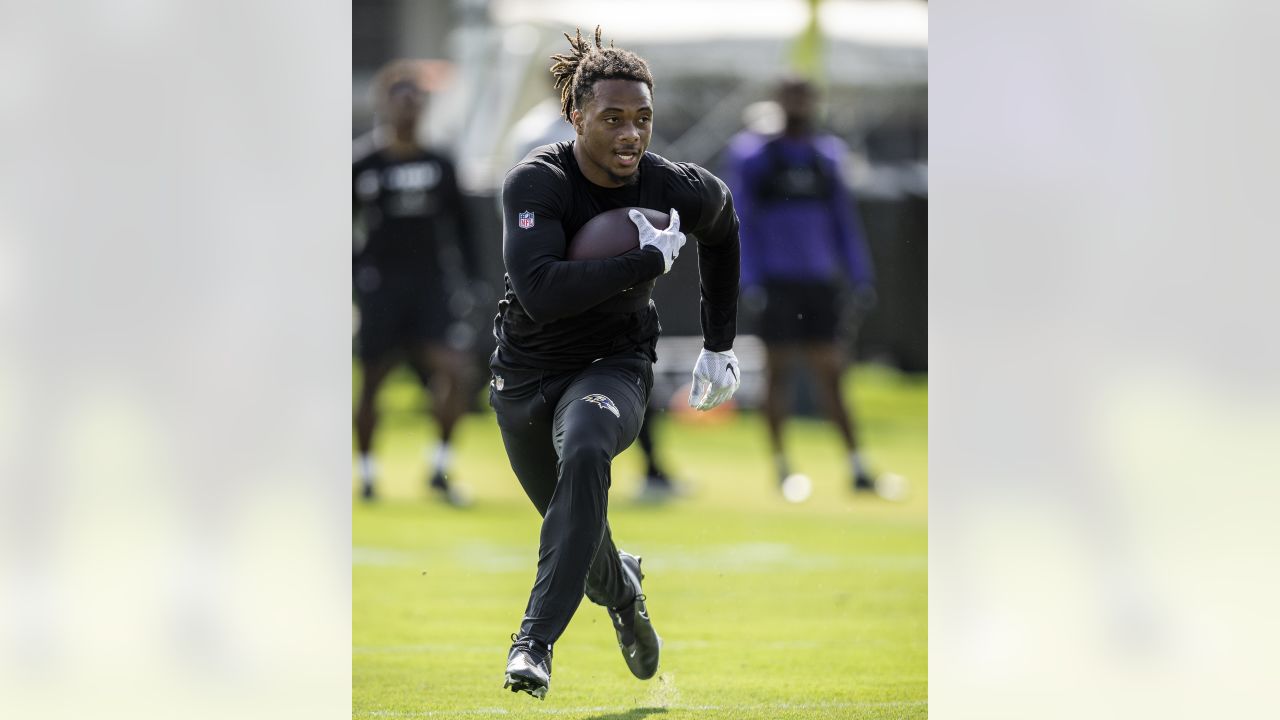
(526, 219)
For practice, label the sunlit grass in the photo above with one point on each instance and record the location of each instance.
(768, 610)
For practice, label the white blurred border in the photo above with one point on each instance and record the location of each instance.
(174, 380)
(1103, 392)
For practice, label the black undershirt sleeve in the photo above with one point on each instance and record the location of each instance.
(718, 263)
(548, 286)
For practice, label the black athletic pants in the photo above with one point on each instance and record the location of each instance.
(562, 431)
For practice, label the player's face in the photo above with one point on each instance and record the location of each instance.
(404, 104)
(613, 132)
(799, 102)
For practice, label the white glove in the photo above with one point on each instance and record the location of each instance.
(715, 379)
(668, 241)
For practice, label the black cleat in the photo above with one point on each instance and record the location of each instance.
(441, 488)
(658, 489)
(637, 639)
(864, 483)
(528, 667)
(367, 493)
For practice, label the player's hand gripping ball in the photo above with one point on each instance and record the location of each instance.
(668, 242)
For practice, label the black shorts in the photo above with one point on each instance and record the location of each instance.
(399, 314)
(800, 311)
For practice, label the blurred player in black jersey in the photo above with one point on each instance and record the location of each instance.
(407, 285)
(576, 340)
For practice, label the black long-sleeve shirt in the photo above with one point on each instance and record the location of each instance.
(563, 314)
(412, 210)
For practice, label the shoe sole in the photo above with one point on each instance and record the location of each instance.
(527, 685)
(640, 573)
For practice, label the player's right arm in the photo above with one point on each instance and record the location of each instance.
(362, 149)
(548, 286)
(359, 238)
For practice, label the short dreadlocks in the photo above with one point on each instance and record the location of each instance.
(577, 72)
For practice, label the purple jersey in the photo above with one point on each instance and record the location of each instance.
(797, 216)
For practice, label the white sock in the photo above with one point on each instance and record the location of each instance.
(441, 457)
(856, 462)
(780, 462)
(368, 470)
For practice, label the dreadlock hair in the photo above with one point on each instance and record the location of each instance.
(577, 72)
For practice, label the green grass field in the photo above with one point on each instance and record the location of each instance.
(767, 610)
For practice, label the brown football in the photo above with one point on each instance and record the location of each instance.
(611, 233)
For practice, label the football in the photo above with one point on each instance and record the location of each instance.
(611, 233)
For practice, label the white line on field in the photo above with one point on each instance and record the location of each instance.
(485, 712)
(491, 648)
(753, 557)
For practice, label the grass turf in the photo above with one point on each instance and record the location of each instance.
(767, 610)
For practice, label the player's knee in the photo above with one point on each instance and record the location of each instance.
(584, 455)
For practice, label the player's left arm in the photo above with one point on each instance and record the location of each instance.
(740, 175)
(464, 229)
(716, 375)
(716, 232)
(853, 239)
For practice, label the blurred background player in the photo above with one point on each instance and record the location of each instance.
(411, 236)
(800, 235)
